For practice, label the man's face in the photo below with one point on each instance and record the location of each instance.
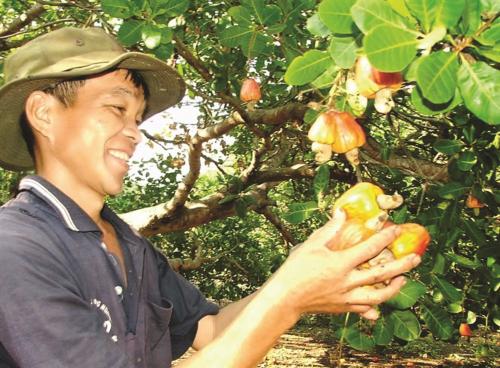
(93, 138)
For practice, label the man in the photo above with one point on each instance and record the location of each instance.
(79, 288)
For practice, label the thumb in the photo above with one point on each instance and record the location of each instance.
(324, 235)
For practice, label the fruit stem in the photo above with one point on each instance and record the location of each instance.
(359, 175)
(333, 93)
(421, 200)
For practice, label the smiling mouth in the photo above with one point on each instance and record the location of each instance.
(120, 155)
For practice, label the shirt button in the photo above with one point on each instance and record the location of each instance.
(114, 338)
(119, 290)
(139, 360)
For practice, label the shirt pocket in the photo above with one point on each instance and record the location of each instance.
(158, 345)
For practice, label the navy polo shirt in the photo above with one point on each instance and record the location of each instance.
(63, 299)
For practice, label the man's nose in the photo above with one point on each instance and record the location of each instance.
(132, 131)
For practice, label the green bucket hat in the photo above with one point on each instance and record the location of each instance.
(65, 54)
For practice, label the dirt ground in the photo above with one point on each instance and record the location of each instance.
(314, 347)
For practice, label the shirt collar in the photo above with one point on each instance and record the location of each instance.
(65, 208)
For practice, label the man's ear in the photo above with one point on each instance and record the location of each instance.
(38, 111)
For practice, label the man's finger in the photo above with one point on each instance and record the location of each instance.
(382, 272)
(372, 296)
(325, 234)
(372, 246)
(371, 314)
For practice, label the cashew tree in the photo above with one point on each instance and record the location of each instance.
(255, 173)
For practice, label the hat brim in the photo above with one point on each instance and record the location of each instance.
(166, 88)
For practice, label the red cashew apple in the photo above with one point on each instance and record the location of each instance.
(465, 330)
(370, 80)
(341, 131)
(250, 91)
(414, 238)
(367, 201)
(473, 202)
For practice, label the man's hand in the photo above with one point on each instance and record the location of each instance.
(316, 278)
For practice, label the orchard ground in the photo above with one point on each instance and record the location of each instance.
(313, 345)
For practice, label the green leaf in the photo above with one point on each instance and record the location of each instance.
(400, 215)
(450, 292)
(171, 8)
(448, 12)
(471, 17)
(163, 52)
(299, 212)
(424, 11)
(234, 35)
(254, 43)
(466, 160)
(265, 14)
(480, 88)
(336, 15)
(358, 340)
(463, 261)
(408, 295)
(474, 232)
(490, 6)
(343, 51)
(492, 53)
(448, 146)
(400, 7)
(240, 15)
(321, 179)
(307, 67)
(452, 190)
(427, 42)
(425, 107)
(277, 28)
(438, 321)
(406, 325)
(471, 317)
(383, 332)
(491, 36)
(455, 308)
(316, 27)
(390, 49)
(439, 266)
(369, 14)
(166, 36)
(437, 76)
(119, 8)
(151, 36)
(325, 80)
(272, 15)
(310, 116)
(130, 32)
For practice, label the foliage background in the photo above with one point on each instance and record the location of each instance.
(229, 229)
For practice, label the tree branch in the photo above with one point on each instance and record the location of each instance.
(198, 65)
(282, 229)
(18, 24)
(153, 220)
(427, 170)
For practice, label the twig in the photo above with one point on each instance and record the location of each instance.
(278, 224)
(40, 27)
(19, 23)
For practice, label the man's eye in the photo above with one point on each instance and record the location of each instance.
(120, 109)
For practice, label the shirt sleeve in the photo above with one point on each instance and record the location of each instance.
(44, 322)
(189, 306)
